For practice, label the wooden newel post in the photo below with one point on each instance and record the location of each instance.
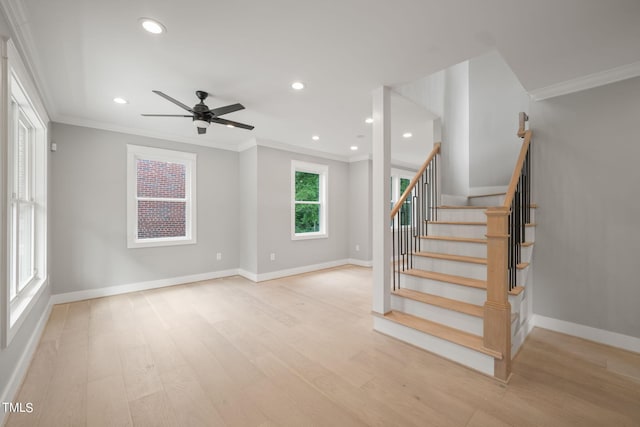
(497, 310)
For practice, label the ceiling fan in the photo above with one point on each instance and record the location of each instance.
(201, 114)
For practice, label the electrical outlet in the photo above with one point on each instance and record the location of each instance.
(273, 256)
(357, 248)
(219, 256)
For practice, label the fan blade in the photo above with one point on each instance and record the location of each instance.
(170, 99)
(202, 130)
(232, 123)
(165, 115)
(226, 109)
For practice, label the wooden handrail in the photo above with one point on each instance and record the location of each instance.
(412, 184)
(511, 191)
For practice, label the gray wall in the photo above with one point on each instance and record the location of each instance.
(248, 181)
(495, 99)
(274, 213)
(360, 220)
(586, 176)
(89, 213)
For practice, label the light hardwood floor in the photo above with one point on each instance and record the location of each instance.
(298, 351)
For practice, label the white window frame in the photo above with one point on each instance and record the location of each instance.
(396, 176)
(135, 152)
(21, 99)
(323, 172)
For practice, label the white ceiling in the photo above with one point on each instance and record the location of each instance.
(86, 52)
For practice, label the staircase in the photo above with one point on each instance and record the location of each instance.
(449, 291)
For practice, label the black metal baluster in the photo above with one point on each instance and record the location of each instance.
(435, 190)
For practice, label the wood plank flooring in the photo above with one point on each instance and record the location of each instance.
(298, 351)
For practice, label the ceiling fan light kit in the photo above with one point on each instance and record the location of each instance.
(201, 114)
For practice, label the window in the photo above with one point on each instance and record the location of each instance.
(309, 200)
(161, 197)
(27, 174)
(399, 184)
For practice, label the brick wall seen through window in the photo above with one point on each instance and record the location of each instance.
(157, 180)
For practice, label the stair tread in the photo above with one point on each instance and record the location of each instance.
(486, 195)
(531, 206)
(517, 290)
(456, 239)
(457, 222)
(530, 224)
(449, 304)
(465, 339)
(451, 257)
(456, 280)
(464, 207)
(449, 278)
(466, 240)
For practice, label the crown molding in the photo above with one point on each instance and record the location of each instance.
(587, 82)
(296, 149)
(247, 145)
(404, 165)
(14, 11)
(360, 158)
(75, 121)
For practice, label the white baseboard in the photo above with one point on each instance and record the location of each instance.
(20, 370)
(482, 191)
(601, 336)
(140, 286)
(161, 283)
(360, 262)
(248, 275)
(299, 270)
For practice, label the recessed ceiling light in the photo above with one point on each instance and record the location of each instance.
(407, 135)
(152, 26)
(119, 100)
(230, 126)
(315, 137)
(354, 147)
(368, 120)
(297, 85)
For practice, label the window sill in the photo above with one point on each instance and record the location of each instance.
(309, 236)
(151, 243)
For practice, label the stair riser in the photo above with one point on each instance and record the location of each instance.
(467, 357)
(473, 215)
(464, 269)
(454, 248)
(487, 200)
(478, 250)
(447, 317)
(455, 230)
(452, 291)
(471, 231)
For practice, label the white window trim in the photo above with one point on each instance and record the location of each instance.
(151, 153)
(323, 171)
(16, 85)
